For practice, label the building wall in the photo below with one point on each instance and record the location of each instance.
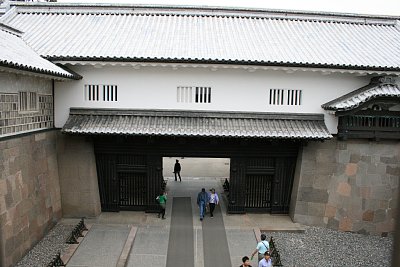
(232, 89)
(30, 201)
(348, 185)
(13, 118)
(78, 176)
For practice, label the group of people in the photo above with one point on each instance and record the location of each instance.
(263, 254)
(203, 199)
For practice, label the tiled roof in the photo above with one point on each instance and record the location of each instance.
(149, 34)
(374, 90)
(16, 54)
(196, 123)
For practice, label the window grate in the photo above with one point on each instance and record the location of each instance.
(189, 94)
(28, 101)
(289, 97)
(101, 92)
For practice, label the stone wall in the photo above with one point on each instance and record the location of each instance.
(347, 185)
(78, 176)
(26, 104)
(30, 202)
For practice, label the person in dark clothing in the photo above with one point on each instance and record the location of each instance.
(202, 201)
(177, 170)
(246, 262)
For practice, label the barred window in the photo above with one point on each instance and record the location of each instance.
(101, 92)
(289, 97)
(193, 94)
(27, 101)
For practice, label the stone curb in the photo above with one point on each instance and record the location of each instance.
(123, 258)
(67, 255)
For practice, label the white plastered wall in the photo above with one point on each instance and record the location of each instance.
(232, 89)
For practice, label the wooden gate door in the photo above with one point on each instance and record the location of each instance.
(258, 192)
(132, 190)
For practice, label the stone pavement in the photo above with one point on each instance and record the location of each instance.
(150, 246)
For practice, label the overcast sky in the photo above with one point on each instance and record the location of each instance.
(378, 7)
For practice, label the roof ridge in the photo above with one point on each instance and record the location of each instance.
(208, 11)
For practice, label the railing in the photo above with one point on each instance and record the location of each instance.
(276, 257)
(77, 232)
(56, 261)
(369, 126)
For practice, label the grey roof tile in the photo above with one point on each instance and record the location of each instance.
(135, 34)
(196, 123)
(386, 87)
(16, 54)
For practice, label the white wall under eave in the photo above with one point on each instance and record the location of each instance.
(232, 89)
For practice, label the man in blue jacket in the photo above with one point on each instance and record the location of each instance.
(202, 201)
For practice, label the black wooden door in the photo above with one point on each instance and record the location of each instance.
(132, 190)
(258, 192)
(108, 182)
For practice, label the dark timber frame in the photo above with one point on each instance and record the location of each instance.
(129, 170)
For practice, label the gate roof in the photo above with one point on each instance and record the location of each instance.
(208, 35)
(196, 123)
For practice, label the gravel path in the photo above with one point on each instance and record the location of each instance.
(48, 247)
(325, 247)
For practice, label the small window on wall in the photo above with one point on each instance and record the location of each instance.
(289, 97)
(28, 101)
(101, 92)
(189, 94)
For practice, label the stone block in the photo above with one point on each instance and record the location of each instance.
(393, 170)
(365, 192)
(380, 215)
(381, 192)
(309, 220)
(322, 181)
(351, 169)
(343, 156)
(389, 160)
(345, 224)
(309, 194)
(368, 216)
(325, 156)
(355, 158)
(330, 211)
(316, 209)
(333, 224)
(344, 189)
(366, 159)
(307, 179)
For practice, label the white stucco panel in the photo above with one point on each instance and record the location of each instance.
(232, 90)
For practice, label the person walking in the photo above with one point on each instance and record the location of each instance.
(266, 261)
(246, 262)
(177, 170)
(202, 200)
(262, 247)
(213, 200)
(162, 201)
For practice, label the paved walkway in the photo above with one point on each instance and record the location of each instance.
(181, 245)
(101, 247)
(150, 247)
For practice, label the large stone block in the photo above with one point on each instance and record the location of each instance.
(344, 189)
(351, 169)
(393, 170)
(310, 194)
(381, 192)
(316, 209)
(345, 224)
